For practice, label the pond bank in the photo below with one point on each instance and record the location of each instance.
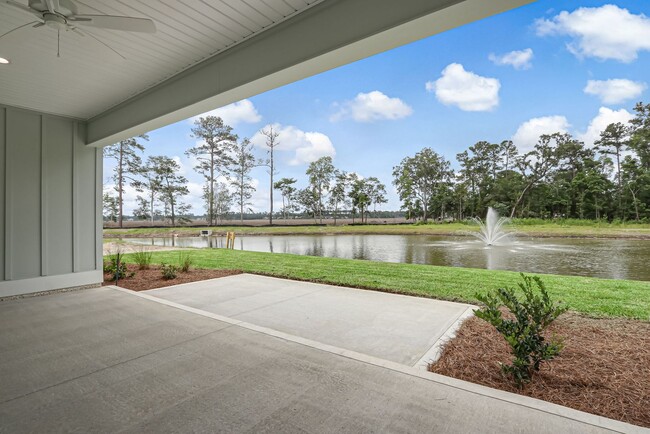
(631, 231)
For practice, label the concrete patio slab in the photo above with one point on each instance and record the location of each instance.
(392, 327)
(142, 366)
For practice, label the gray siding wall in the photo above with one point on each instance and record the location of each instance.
(49, 196)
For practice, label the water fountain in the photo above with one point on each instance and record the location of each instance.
(492, 230)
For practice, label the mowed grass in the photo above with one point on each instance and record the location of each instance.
(538, 228)
(590, 296)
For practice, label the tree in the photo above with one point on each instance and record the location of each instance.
(614, 141)
(360, 195)
(172, 186)
(111, 208)
(150, 183)
(308, 199)
(212, 153)
(321, 173)
(640, 134)
(637, 183)
(243, 161)
(536, 164)
(376, 192)
(418, 177)
(128, 166)
(271, 143)
(338, 193)
(222, 201)
(285, 185)
(142, 211)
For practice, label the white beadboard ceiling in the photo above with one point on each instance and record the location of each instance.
(88, 78)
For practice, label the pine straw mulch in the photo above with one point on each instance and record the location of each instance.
(603, 369)
(152, 278)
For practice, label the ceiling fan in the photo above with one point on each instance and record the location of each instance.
(62, 15)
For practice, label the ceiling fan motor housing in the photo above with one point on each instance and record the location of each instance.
(55, 21)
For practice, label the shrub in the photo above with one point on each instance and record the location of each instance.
(185, 261)
(168, 271)
(532, 315)
(143, 258)
(115, 266)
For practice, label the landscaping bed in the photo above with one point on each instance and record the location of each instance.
(152, 277)
(603, 369)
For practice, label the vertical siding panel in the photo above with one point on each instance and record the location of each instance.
(86, 203)
(58, 198)
(3, 176)
(75, 199)
(23, 221)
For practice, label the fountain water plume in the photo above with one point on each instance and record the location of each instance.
(492, 231)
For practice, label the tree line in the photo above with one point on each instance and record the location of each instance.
(559, 177)
(226, 162)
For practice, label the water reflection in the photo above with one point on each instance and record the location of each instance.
(614, 259)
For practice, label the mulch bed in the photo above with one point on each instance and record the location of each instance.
(152, 278)
(603, 369)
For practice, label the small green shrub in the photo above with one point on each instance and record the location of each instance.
(115, 266)
(143, 258)
(185, 261)
(168, 271)
(532, 315)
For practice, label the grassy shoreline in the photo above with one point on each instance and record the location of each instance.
(536, 229)
(589, 296)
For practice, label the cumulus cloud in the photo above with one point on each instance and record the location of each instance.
(527, 135)
(517, 59)
(598, 124)
(306, 146)
(233, 114)
(606, 32)
(615, 91)
(466, 90)
(372, 106)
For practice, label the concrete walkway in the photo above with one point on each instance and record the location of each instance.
(110, 360)
(393, 327)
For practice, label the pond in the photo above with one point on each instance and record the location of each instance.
(606, 258)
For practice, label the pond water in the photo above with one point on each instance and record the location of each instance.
(606, 258)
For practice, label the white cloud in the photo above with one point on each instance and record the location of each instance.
(517, 59)
(233, 114)
(528, 132)
(615, 91)
(466, 90)
(372, 106)
(604, 117)
(606, 32)
(306, 146)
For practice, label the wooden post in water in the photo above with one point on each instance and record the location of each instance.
(230, 240)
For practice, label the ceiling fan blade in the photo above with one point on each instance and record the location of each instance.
(37, 25)
(129, 24)
(24, 8)
(17, 28)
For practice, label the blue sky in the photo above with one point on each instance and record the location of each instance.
(571, 66)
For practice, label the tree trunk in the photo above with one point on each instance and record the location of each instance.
(271, 191)
(211, 190)
(520, 199)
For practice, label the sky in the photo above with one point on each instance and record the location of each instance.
(569, 66)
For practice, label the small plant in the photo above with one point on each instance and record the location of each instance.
(532, 315)
(143, 258)
(185, 261)
(168, 271)
(115, 266)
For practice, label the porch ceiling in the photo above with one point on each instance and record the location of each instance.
(89, 78)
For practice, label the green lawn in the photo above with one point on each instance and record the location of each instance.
(595, 297)
(530, 228)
